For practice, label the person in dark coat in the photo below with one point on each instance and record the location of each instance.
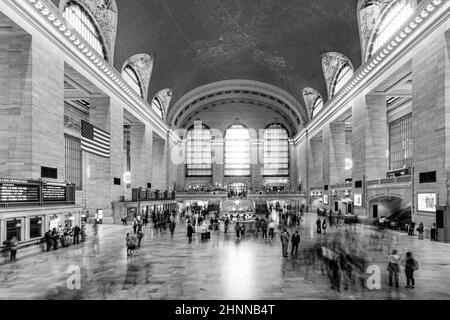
(242, 229)
(140, 235)
(237, 228)
(410, 266)
(190, 231)
(295, 242)
(319, 225)
(226, 223)
(264, 229)
(48, 239)
(76, 235)
(433, 232)
(172, 227)
(55, 237)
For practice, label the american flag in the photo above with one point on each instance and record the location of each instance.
(94, 140)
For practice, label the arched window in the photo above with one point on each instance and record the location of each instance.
(237, 151)
(157, 106)
(82, 22)
(131, 77)
(318, 105)
(395, 16)
(342, 77)
(276, 151)
(198, 152)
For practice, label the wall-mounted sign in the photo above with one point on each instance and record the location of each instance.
(426, 202)
(325, 199)
(357, 200)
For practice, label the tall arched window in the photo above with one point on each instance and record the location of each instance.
(198, 152)
(276, 151)
(237, 151)
(342, 77)
(131, 77)
(80, 19)
(318, 105)
(157, 106)
(395, 16)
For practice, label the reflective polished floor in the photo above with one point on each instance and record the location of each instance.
(223, 267)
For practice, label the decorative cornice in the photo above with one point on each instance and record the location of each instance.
(372, 66)
(46, 10)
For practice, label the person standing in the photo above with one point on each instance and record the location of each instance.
(129, 244)
(394, 267)
(190, 231)
(227, 222)
(319, 225)
(13, 248)
(172, 227)
(433, 232)
(237, 228)
(55, 236)
(76, 235)
(420, 229)
(264, 229)
(411, 265)
(48, 239)
(140, 235)
(135, 224)
(242, 230)
(295, 242)
(330, 218)
(284, 236)
(271, 229)
(324, 225)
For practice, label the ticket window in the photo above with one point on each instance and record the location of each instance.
(14, 229)
(36, 227)
(54, 223)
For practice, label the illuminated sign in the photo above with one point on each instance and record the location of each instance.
(426, 202)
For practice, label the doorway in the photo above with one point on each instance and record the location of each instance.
(375, 211)
(237, 189)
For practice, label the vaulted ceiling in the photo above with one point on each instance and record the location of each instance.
(197, 42)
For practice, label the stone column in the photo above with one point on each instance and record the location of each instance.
(256, 161)
(31, 107)
(99, 172)
(141, 137)
(218, 160)
(159, 164)
(293, 178)
(315, 163)
(334, 153)
(431, 125)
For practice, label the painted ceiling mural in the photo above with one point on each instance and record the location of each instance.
(197, 42)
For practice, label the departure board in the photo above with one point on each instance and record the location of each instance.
(53, 193)
(10, 192)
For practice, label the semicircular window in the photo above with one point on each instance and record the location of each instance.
(198, 152)
(131, 77)
(276, 151)
(84, 24)
(391, 21)
(237, 151)
(157, 106)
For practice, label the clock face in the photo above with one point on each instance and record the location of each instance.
(348, 163)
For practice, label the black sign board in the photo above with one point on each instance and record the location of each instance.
(35, 191)
(11, 192)
(53, 193)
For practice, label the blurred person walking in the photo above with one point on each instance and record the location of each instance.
(420, 229)
(284, 236)
(394, 267)
(190, 231)
(411, 265)
(172, 227)
(295, 242)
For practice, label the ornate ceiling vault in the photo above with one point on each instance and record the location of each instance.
(244, 92)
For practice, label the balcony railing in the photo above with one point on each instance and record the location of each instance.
(401, 179)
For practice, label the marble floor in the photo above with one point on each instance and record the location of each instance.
(223, 267)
